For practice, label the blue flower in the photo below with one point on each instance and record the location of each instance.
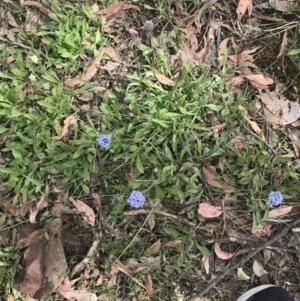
(136, 199)
(275, 198)
(104, 140)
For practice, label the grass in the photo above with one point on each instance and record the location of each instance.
(160, 136)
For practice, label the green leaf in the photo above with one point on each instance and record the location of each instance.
(85, 188)
(294, 52)
(139, 164)
(78, 153)
(4, 75)
(52, 78)
(160, 122)
(97, 36)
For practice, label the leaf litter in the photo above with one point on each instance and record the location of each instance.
(189, 52)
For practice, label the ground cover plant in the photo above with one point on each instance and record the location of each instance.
(145, 147)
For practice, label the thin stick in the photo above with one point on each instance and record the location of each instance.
(245, 259)
(23, 46)
(256, 136)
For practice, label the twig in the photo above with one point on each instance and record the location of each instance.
(210, 195)
(256, 136)
(245, 259)
(22, 46)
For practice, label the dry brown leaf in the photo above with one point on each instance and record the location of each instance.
(15, 210)
(260, 79)
(210, 175)
(209, 211)
(151, 221)
(115, 7)
(186, 54)
(80, 80)
(66, 291)
(153, 249)
(190, 33)
(164, 80)
(95, 7)
(149, 286)
(217, 127)
(252, 123)
(236, 81)
(245, 55)
(280, 211)
(221, 51)
(110, 66)
(221, 254)
(201, 54)
(25, 242)
(58, 205)
(255, 83)
(263, 230)
(31, 22)
(250, 9)
(44, 263)
(278, 109)
(240, 145)
(11, 20)
(283, 44)
(113, 54)
(10, 59)
(28, 90)
(258, 269)
(65, 131)
(39, 206)
(296, 149)
(43, 9)
(10, 207)
(87, 212)
(242, 7)
(174, 243)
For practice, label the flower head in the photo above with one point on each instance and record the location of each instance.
(149, 25)
(136, 199)
(104, 140)
(275, 198)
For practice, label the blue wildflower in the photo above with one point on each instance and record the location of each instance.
(136, 199)
(104, 140)
(275, 198)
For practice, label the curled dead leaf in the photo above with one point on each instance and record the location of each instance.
(164, 80)
(236, 81)
(39, 206)
(221, 51)
(260, 79)
(211, 178)
(149, 286)
(174, 243)
(43, 9)
(258, 269)
(65, 131)
(153, 249)
(263, 230)
(242, 7)
(87, 212)
(221, 254)
(278, 109)
(252, 123)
